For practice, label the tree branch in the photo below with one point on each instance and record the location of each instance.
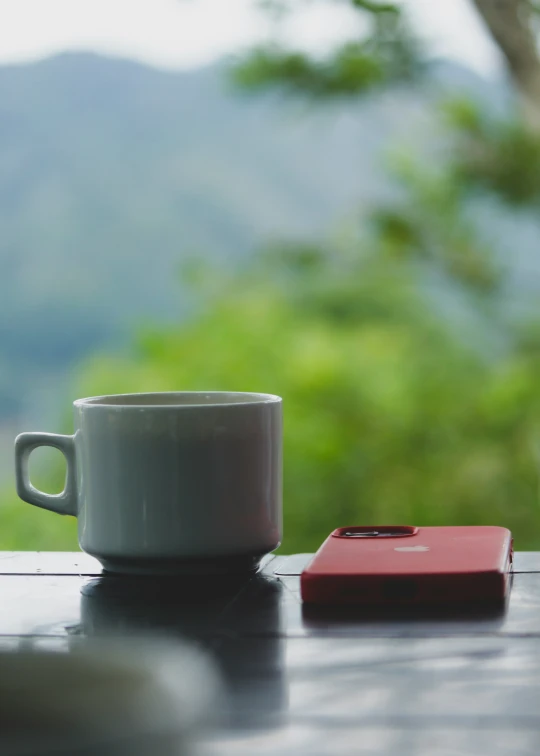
(509, 22)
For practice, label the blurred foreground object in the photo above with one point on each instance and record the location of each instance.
(104, 700)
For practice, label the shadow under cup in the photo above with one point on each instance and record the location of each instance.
(170, 483)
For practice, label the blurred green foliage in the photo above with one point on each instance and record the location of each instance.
(390, 416)
(395, 411)
(389, 52)
(499, 155)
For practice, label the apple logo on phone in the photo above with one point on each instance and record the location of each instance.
(411, 548)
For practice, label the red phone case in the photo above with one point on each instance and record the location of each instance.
(410, 566)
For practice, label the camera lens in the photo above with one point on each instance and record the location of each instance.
(374, 533)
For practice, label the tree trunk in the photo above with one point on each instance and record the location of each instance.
(509, 22)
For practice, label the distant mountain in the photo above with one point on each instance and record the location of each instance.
(111, 173)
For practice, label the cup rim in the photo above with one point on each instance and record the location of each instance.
(137, 400)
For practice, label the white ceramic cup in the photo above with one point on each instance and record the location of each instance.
(169, 482)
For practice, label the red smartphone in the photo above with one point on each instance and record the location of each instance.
(403, 564)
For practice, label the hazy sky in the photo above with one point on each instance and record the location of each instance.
(186, 33)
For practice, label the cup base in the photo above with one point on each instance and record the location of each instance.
(229, 565)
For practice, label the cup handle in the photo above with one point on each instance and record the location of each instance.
(64, 503)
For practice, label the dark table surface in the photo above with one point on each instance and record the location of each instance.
(300, 683)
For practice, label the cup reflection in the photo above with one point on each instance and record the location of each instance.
(237, 620)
